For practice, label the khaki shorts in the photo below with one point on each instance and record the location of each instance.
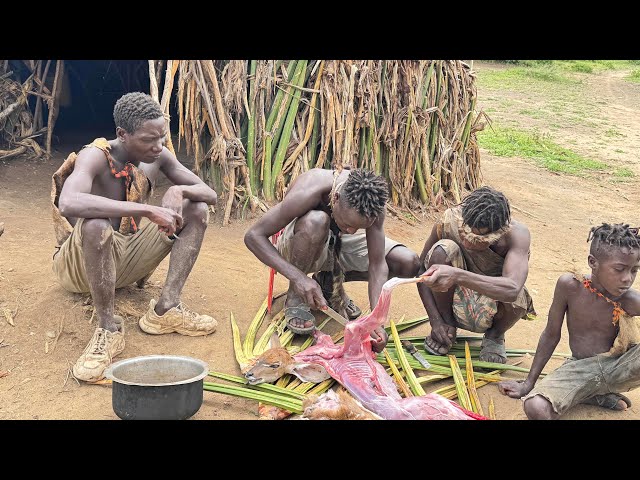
(354, 255)
(577, 380)
(473, 311)
(135, 256)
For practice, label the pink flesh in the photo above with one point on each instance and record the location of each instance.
(353, 364)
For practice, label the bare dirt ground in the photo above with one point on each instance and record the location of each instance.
(36, 384)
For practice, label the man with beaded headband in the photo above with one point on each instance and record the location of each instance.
(99, 198)
(475, 263)
(603, 332)
(333, 227)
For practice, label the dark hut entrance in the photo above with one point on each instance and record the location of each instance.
(89, 91)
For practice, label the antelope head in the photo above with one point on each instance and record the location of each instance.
(277, 361)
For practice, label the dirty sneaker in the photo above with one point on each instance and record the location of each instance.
(98, 355)
(178, 319)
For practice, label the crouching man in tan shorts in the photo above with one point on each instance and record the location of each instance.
(333, 223)
(109, 237)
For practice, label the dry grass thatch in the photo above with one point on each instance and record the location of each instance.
(253, 126)
(16, 120)
(19, 127)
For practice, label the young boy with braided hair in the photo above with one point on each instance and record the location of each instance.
(476, 262)
(603, 333)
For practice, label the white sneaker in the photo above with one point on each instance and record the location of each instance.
(98, 355)
(178, 319)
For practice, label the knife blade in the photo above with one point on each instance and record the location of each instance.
(335, 315)
(416, 354)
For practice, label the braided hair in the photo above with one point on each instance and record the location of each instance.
(135, 108)
(605, 237)
(486, 208)
(366, 192)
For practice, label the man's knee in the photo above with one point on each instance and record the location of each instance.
(196, 212)
(315, 225)
(538, 408)
(403, 262)
(438, 257)
(96, 232)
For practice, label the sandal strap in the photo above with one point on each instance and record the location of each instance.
(300, 311)
(489, 345)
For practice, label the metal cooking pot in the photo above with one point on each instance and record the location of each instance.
(157, 387)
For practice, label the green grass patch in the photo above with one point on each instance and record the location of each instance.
(517, 76)
(634, 76)
(624, 172)
(508, 142)
(612, 132)
(536, 73)
(583, 66)
(532, 113)
(592, 66)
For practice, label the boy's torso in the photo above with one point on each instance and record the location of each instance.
(589, 322)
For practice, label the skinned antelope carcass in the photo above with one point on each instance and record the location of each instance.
(333, 405)
(354, 366)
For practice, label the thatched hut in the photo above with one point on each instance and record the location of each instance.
(252, 126)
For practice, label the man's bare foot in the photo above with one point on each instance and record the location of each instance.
(298, 316)
(612, 401)
(493, 350)
(435, 348)
(435, 343)
(299, 323)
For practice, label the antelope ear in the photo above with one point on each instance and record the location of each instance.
(308, 372)
(274, 340)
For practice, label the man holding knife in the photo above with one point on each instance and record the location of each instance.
(333, 227)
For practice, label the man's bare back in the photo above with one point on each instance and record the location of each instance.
(316, 184)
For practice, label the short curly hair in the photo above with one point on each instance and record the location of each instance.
(135, 108)
(366, 192)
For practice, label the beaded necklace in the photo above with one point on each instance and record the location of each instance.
(617, 307)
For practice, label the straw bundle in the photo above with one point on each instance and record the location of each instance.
(18, 125)
(16, 120)
(253, 126)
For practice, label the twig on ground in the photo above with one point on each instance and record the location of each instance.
(403, 215)
(55, 340)
(67, 377)
(526, 213)
(70, 374)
